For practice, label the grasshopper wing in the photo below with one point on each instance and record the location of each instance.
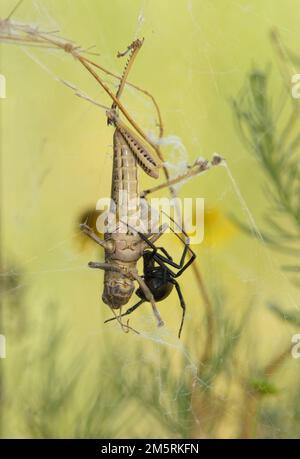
(144, 158)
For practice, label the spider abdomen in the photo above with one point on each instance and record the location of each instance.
(160, 288)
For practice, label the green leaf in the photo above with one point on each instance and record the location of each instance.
(293, 317)
(263, 386)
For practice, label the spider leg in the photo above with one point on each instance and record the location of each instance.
(129, 311)
(182, 266)
(165, 252)
(167, 259)
(151, 239)
(157, 235)
(182, 304)
(150, 242)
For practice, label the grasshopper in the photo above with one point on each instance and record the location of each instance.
(124, 249)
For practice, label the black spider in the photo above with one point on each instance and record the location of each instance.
(159, 277)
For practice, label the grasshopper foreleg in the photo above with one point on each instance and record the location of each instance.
(92, 235)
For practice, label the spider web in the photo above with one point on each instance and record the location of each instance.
(51, 301)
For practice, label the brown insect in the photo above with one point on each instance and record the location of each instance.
(123, 250)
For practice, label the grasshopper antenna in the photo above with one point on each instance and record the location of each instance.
(134, 47)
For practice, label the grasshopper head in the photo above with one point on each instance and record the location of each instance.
(117, 290)
(112, 115)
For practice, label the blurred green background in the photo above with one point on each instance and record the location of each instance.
(66, 373)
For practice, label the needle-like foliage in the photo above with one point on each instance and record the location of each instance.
(273, 136)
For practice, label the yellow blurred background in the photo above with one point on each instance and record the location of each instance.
(56, 163)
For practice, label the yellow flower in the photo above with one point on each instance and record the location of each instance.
(218, 229)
